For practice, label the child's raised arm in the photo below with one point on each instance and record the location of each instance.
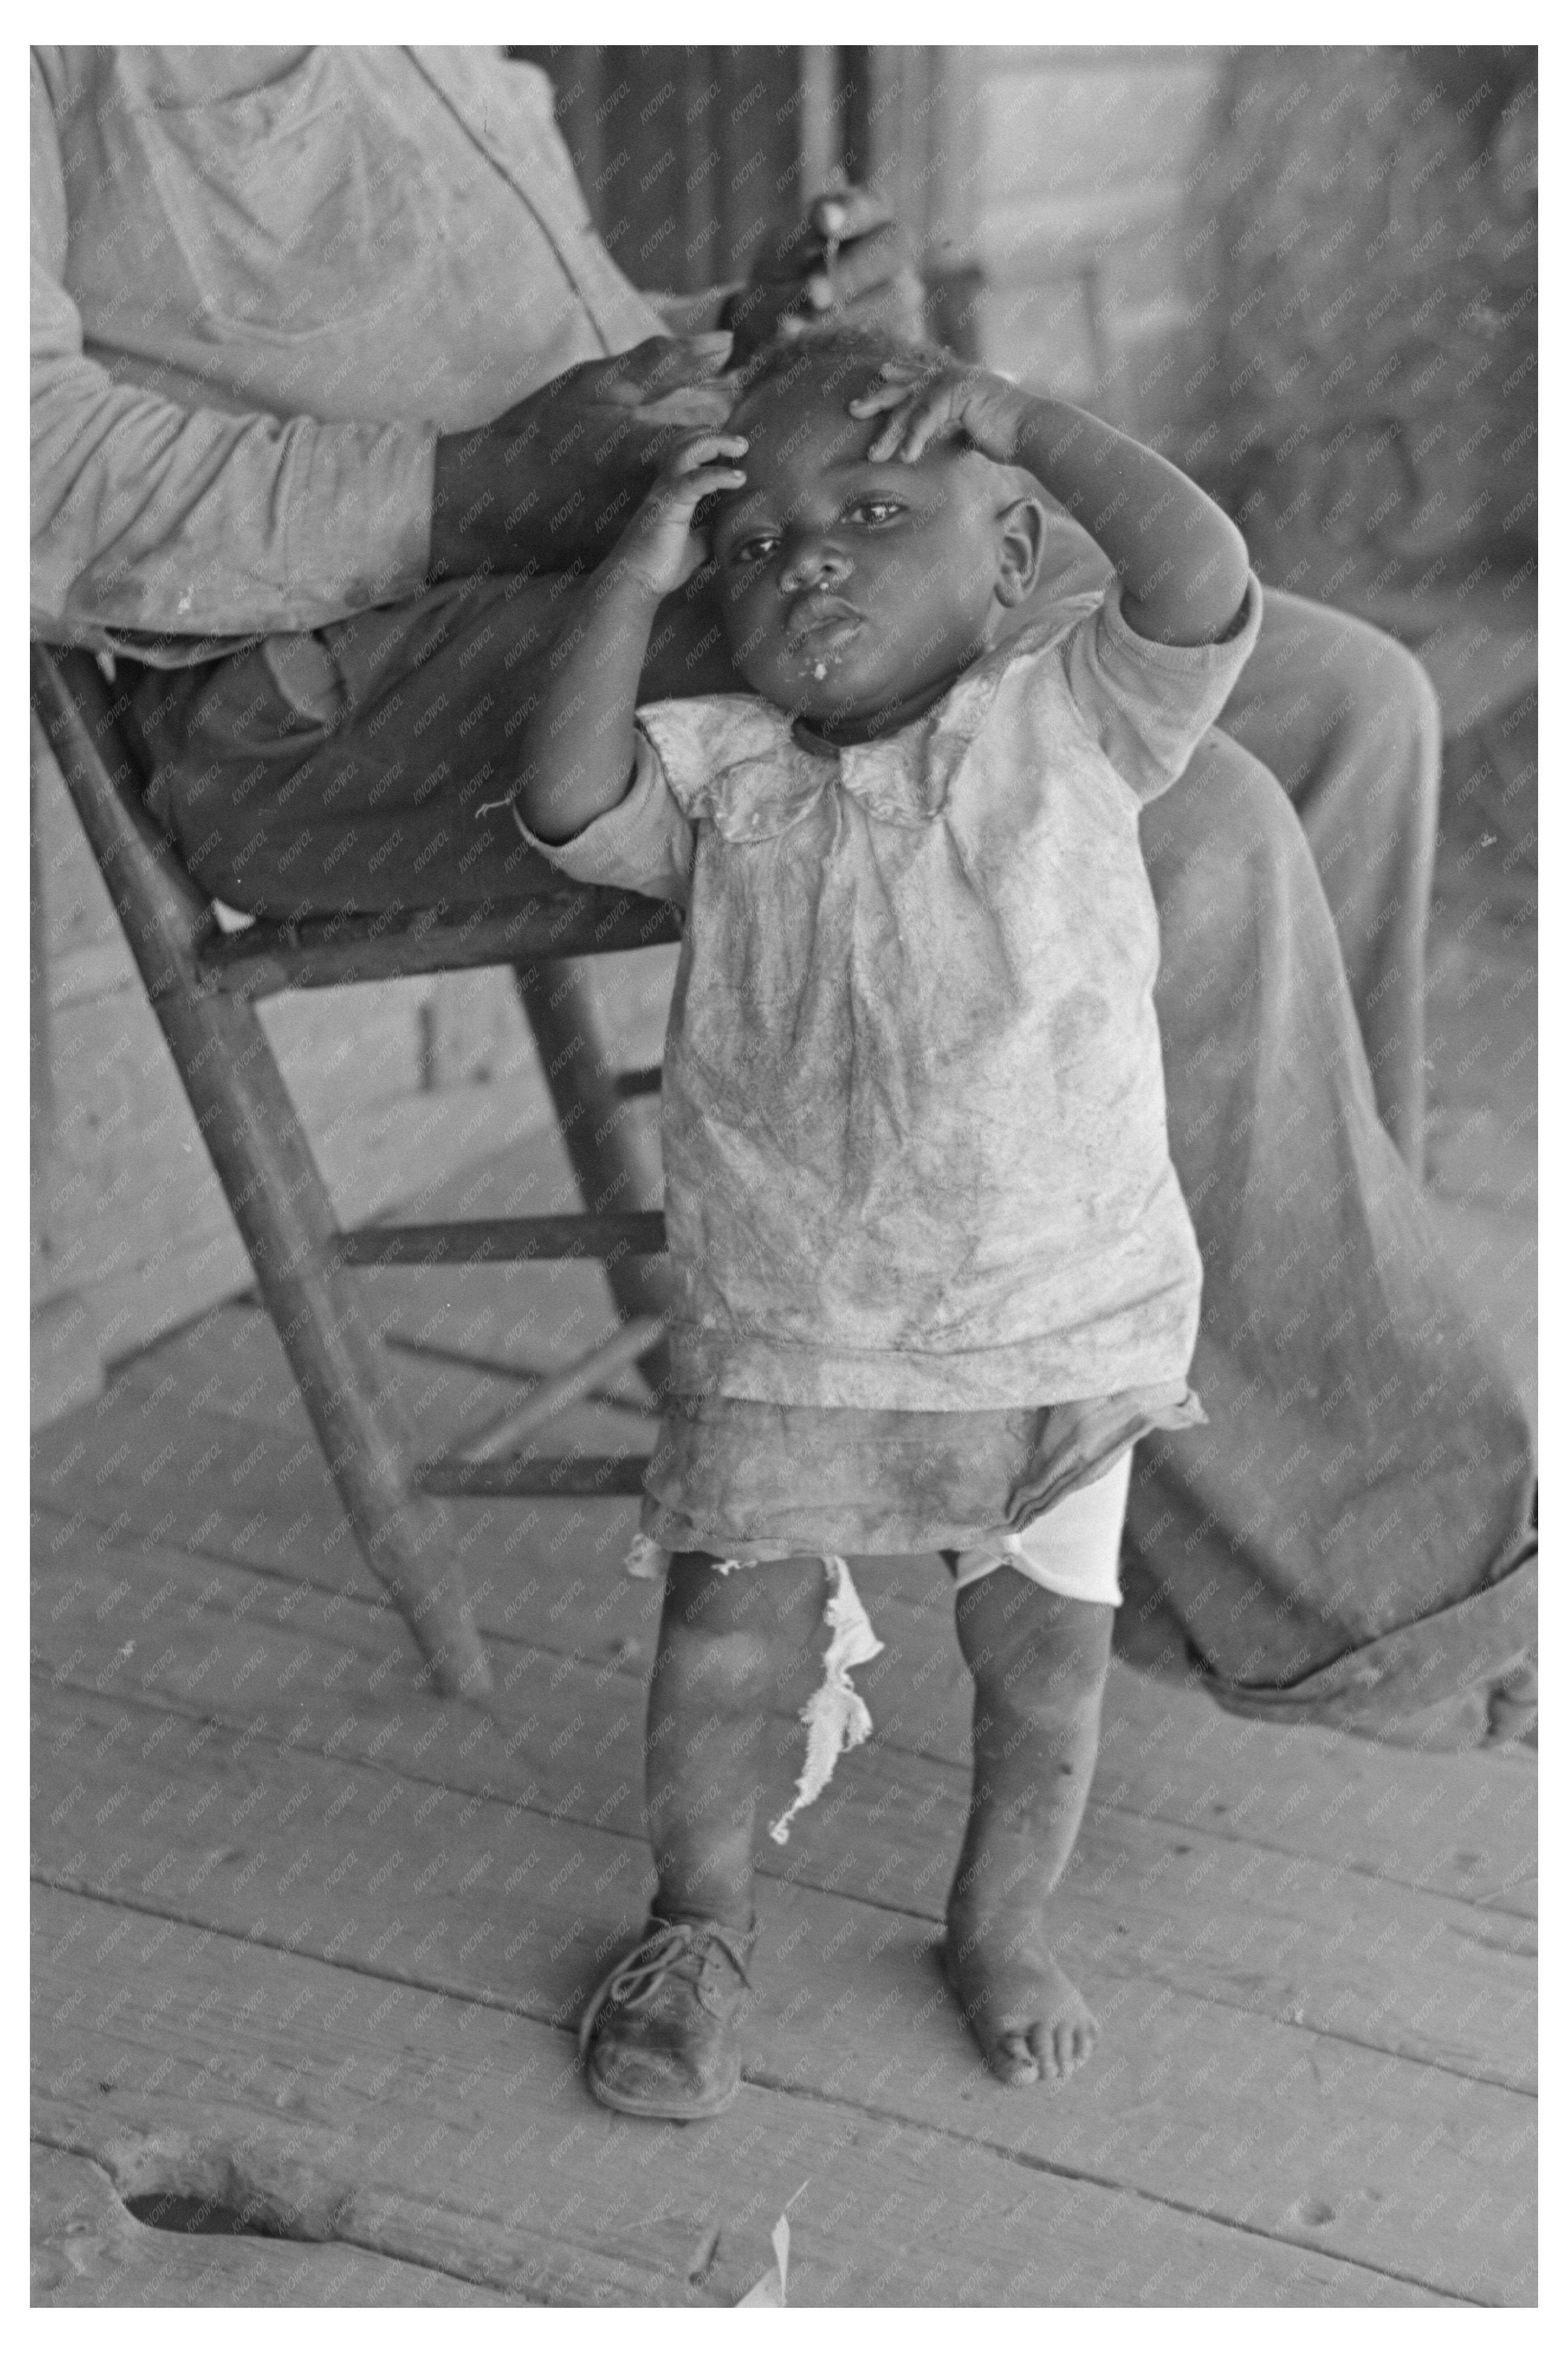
(1183, 561)
(577, 740)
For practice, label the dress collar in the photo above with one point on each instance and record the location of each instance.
(756, 774)
(905, 778)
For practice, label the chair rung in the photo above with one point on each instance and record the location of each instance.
(505, 1431)
(474, 1241)
(334, 950)
(540, 1474)
(638, 1083)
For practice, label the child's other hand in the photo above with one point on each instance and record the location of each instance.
(927, 404)
(659, 546)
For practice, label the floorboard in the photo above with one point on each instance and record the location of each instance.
(1307, 1942)
(1209, 2109)
(89, 2250)
(452, 2135)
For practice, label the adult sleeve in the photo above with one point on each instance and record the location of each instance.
(149, 517)
(1148, 704)
(646, 842)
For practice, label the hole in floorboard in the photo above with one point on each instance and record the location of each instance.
(177, 2211)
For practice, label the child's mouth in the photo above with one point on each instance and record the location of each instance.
(819, 637)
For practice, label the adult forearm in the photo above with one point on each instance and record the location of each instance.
(502, 501)
(558, 475)
(473, 507)
(696, 314)
(1182, 561)
(579, 740)
(150, 517)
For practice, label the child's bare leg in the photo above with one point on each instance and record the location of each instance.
(724, 1641)
(660, 2035)
(1039, 1664)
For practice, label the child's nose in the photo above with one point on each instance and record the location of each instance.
(812, 559)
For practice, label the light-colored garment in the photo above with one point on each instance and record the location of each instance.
(1074, 1549)
(253, 308)
(913, 1116)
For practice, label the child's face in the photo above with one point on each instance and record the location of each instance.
(854, 592)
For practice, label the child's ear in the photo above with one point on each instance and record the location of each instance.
(1021, 544)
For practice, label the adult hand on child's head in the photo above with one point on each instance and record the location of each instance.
(559, 474)
(670, 381)
(847, 257)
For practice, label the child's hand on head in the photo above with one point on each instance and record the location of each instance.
(659, 545)
(926, 403)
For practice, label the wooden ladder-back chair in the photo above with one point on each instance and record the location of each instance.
(204, 984)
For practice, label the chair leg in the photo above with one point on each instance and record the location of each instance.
(265, 1167)
(275, 1190)
(611, 1159)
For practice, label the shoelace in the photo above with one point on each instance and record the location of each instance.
(634, 1981)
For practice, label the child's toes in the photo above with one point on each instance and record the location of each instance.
(1014, 2057)
(1074, 2044)
(1042, 2042)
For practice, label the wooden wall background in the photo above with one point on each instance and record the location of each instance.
(1049, 192)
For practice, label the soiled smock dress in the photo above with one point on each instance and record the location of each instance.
(924, 1226)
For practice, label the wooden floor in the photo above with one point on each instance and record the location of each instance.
(309, 1943)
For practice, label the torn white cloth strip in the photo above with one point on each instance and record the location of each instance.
(835, 1716)
(645, 1558)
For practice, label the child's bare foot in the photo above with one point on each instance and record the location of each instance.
(1032, 2023)
(1039, 1665)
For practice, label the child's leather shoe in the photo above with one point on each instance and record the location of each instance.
(659, 2034)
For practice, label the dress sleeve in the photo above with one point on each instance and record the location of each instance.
(1148, 704)
(644, 843)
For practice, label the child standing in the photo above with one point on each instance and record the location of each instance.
(934, 1273)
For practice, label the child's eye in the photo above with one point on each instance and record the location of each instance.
(755, 550)
(874, 510)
